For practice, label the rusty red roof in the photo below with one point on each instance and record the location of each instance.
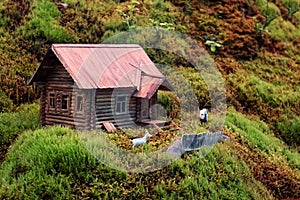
(108, 66)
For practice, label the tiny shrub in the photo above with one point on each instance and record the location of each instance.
(289, 129)
(258, 91)
(13, 12)
(297, 15)
(13, 124)
(6, 104)
(170, 103)
(164, 12)
(197, 85)
(40, 154)
(115, 24)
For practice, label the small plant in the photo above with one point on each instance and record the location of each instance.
(129, 18)
(170, 102)
(292, 6)
(163, 25)
(213, 44)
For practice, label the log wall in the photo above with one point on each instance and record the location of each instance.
(60, 84)
(99, 105)
(42, 107)
(106, 107)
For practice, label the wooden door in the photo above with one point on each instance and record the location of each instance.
(145, 109)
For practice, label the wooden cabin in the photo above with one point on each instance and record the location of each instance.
(88, 85)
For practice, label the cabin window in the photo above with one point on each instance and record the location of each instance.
(64, 102)
(79, 104)
(52, 100)
(121, 104)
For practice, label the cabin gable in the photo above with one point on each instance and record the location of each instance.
(62, 102)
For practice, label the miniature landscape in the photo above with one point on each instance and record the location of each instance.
(255, 46)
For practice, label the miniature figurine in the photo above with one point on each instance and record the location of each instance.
(142, 140)
(204, 116)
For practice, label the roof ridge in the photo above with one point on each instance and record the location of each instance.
(96, 45)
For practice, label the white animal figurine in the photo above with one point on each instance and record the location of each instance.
(204, 116)
(142, 140)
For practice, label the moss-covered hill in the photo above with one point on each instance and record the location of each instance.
(52, 162)
(259, 60)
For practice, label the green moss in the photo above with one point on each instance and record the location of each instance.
(115, 24)
(259, 137)
(289, 129)
(267, 86)
(297, 15)
(44, 23)
(12, 124)
(269, 10)
(283, 30)
(219, 175)
(53, 163)
(293, 6)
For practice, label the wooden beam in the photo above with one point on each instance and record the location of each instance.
(109, 127)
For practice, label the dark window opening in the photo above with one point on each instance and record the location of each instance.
(65, 102)
(79, 104)
(52, 100)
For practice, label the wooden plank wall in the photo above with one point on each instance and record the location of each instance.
(92, 109)
(86, 118)
(60, 83)
(42, 100)
(105, 107)
(138, 109)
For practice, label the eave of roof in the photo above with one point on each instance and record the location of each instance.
(106, 66)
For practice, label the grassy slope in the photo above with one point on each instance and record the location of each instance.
(13, 124)
(55, 163)
(52, 162)
(262, 75)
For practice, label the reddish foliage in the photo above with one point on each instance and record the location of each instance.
(279, 180)
(235, 27)
(16, 11)
(227, 65)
